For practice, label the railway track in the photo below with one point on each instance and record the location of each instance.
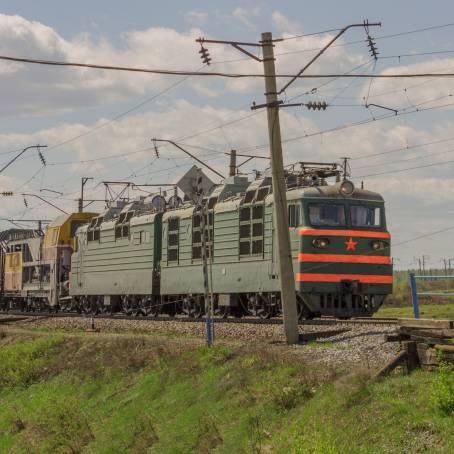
(244, 320)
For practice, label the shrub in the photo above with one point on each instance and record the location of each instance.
(21, 362)
(443, 388)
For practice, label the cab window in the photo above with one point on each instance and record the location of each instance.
(293, 215)
(326, 214)
(365, 216)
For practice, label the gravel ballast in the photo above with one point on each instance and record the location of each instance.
(331, 345)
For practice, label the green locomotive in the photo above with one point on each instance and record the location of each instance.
(143, 258)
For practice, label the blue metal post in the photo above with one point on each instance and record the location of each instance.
(414, 295)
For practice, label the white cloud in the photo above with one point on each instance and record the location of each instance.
(412, 93)
(417, 201)
(196, 17)
(244, 16)
(284, 24)
(39, 90)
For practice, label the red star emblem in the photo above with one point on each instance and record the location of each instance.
(351, 245)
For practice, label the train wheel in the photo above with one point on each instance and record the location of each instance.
(95, 306)
(193, 307)
(126, 305)
(143, 306)
(199, 309)
(85, 305)
(155, 307)
(223, 311)
(303, 311)
(265, 308)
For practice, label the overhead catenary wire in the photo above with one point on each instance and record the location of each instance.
(334, 129)
(395, 150)
(349, 125)
(423, 166)
(413, 158)
(122, 114)
(175, 72)
(379, 38)
(362, 41)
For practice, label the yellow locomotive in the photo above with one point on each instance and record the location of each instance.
(36, 265)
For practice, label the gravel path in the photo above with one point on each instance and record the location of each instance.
(330, 345)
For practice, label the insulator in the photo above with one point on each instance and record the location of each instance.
(7, 193)
(41, 156)
(25, 203)
(204, 55)
(372, 47)
(155, 149)
(317, 105)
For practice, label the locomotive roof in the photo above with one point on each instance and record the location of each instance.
(18, 234)
(332, 192)
(63, 218)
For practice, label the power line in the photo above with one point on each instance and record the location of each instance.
(304, 35)
(416, 54)
(219, 74)
(407, 169)
(314, 90)
(348, 125)
(362, 41)
(428, 155)
(122, 114)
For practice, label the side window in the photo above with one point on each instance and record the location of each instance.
(138, 237)
(122, 225)
(55, 236)
(294, 213)
(251, 230)
(245, 230)
(197, 234)
(90, 230)
(173, 239)
(75, 225)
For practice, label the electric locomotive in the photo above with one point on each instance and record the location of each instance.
(145, 256)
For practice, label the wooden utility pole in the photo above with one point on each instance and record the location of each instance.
(284, 256)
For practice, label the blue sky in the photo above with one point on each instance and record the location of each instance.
(49, 105)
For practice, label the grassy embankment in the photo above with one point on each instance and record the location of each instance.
(111, 394)
(399, 303)
(426, 310)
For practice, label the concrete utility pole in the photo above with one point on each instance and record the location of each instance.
(232, 166)
(201, 208)
(286, 276)
(81, 198)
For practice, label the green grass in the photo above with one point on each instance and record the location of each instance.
(138, 395)
(438, 311)
(320, 344)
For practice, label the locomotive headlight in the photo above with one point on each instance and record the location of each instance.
(346, 187)
(378, 245)
(320, 243)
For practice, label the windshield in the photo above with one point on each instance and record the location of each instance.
(324, 214)
(365, 216)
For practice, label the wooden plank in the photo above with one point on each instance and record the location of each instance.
(433, 333)
(428, 336)
(400, 358)
(429, 340)
(426, 323)
(445, 348)
(399, 337)
(427, 356)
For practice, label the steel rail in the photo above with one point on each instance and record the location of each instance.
(182, 319)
